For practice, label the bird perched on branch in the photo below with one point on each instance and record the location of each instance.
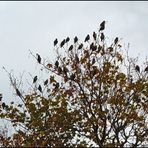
(38, 58)
(87, 38)
(102, 37)
(67, 40)
(55, 42)
(75, 39)
(3, 105)
(80, 46)
(70, 48)
(46, 82)
(18, 92)
(102, 26)
(57, 64)
(62, 43)
(35, 79)
(40, 88)
(137, 68)
(94, 35)
(116, 40)
(146, 69)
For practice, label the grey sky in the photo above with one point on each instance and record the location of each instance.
(35, 25)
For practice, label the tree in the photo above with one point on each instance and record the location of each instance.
(94, 96)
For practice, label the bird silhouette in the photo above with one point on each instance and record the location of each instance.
(57, 85)
(87, 38)
(3, 105)
(57, 64)
(46, 82)
(94, 35)
(102, 37)
(80, 46)
(35, 79)
(38, 58)
(93, 47)
(137, 68)
(55, 42)
(59, 70)
(18, 93)
(116, 40)
(70, 48)
(102, 26)
(40, 88)
(146, 69)
(67, 39)
(72, 77)
(62, 43)
(75, 39)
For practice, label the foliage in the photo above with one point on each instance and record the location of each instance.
(94, 96)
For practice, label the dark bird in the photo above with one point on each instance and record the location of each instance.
(59, 70)
(94, 35)
(65, 70)
(40, 88)
(87, 38)
(62, 43)
(55, 42)
(57, 85)
(57, 64)
(102, 26)
(3, 105)
(72, 77)
(137, 68)
(1, 97)
(146, 69)
(35, 79)
(46, 82)
(93, 47)
(102, 37)
(18, 92)
(38, 58)
(80, 46)
(75, 39)
(70, 48)
(67, 39)
(116, 40)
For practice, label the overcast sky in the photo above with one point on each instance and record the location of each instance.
(35, 25)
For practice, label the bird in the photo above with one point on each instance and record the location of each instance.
(87, 38)
(3, 105)
(55, 42)
(102, 37)
(72, 77)
(93, 47)
(146, 69)
(62, 43)
(46, 82)
(18, 92)
(94, 35)
(75, 39)
(67, 40)
(57, 64)
(102, 26)
(59, 70)
(35, 79)
(70, 48)
(137, 68)
(80, 46)
(116, 40)
(57, 85)
(38, 58)
(40, 88)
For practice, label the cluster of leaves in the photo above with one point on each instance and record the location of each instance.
(86, 99)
